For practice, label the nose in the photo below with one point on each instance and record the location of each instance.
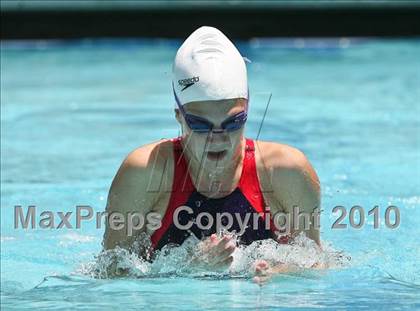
(218, 131)
(218, 137)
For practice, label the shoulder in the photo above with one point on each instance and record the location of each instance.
(153, 155)
(285, 165)
(276, 155)
(146, 165)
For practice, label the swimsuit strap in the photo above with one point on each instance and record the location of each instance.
(249, 183)
(250, 186)
(182, 187)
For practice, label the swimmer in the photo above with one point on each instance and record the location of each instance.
(212, 168)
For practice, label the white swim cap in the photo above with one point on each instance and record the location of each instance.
(208, 66)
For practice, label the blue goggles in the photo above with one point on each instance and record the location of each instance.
(202, 125)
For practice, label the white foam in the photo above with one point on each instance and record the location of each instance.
(177, 260)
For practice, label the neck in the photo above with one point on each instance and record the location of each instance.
(215, 181)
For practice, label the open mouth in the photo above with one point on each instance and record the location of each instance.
(216, 155)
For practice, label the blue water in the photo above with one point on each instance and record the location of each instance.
(71, 111)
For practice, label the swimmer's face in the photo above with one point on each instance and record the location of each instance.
(215, 149)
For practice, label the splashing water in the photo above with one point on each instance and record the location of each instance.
(177, 260)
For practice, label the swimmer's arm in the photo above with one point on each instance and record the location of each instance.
(296, 183)
(129, 193)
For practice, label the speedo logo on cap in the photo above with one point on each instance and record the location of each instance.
(186, 83)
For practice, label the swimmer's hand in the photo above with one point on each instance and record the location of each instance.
(214, 253)
(115, 271)
(263, 271)
(113, 265)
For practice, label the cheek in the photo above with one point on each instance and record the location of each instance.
(236, 138)
(235, 141)
(196, 143)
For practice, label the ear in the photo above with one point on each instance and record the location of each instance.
(178, 115)
(179, 118)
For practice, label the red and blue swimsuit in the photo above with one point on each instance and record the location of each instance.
(246, 198)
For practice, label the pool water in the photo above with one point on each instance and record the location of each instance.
(72, 110)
